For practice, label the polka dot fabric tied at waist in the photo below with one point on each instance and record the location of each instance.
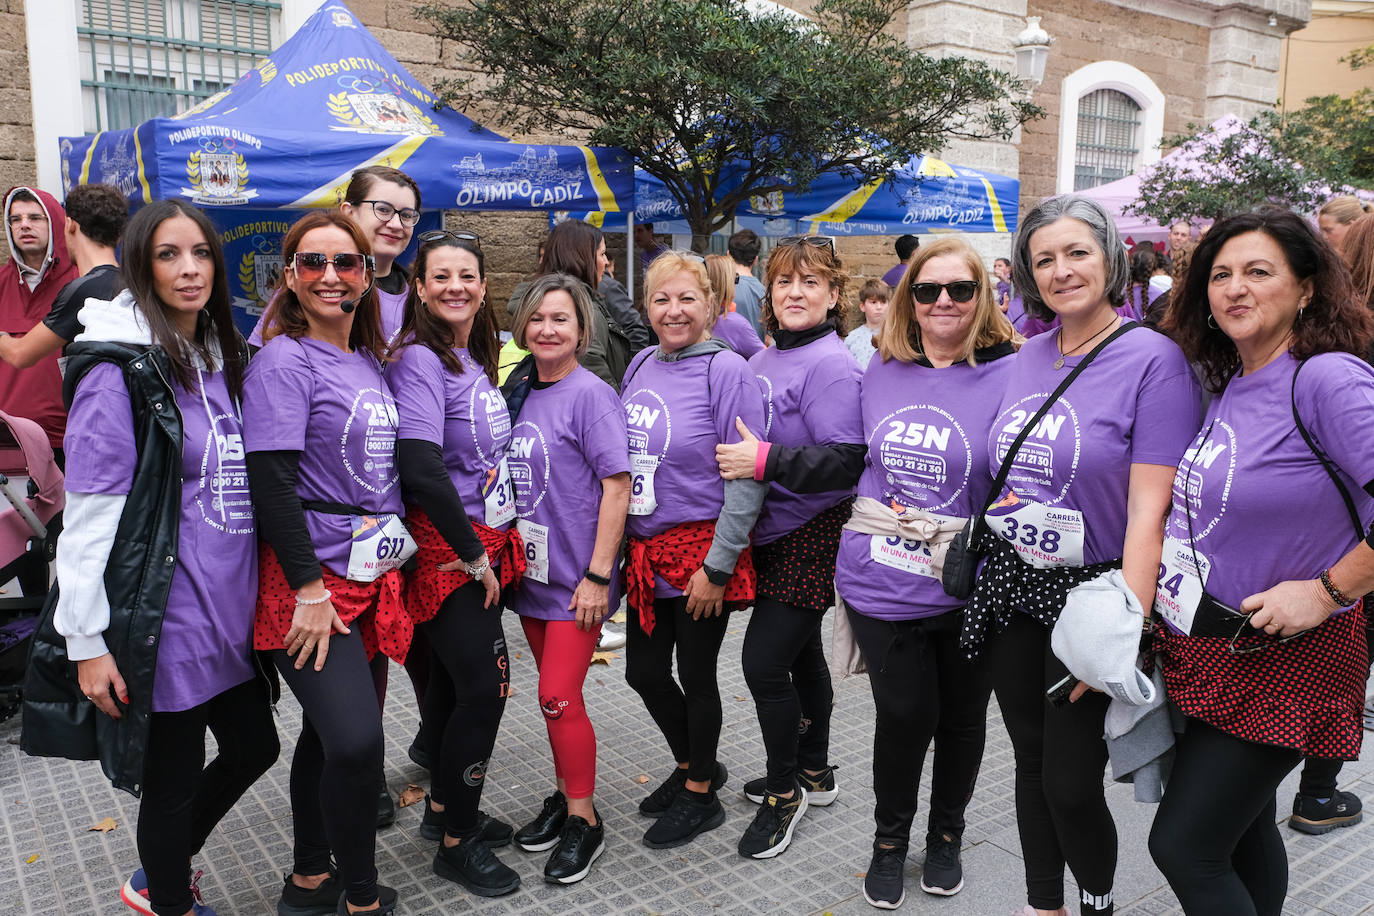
(799, 567)
(675, 555)
(427, 587)
(376, 607)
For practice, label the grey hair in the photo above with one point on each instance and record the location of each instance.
(1086, 211)
(540, 287)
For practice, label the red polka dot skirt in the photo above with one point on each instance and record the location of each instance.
(1304, 694)
(426, 587)
(799, 567)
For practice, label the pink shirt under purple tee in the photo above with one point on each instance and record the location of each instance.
(465, 415)
(927, 449)
(810, 397)
(208, 626)
(567, 439)
(1137, 403)
(1264, 509)
(335, 409)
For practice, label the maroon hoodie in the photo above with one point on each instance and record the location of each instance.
(35, 393)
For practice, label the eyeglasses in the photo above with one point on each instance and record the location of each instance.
(815, 241)
(1247, 640)
(348, 265)
(385, 211)
(460, 235)
(959, 291)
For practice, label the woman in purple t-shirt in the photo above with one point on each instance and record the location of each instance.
(689, 535)
(927, 401)
(1265, 557)
(320, 433)
(570, 469)
(167, 340)
(1086, 491)
(811, 455)
(451, 444)
(730, 326)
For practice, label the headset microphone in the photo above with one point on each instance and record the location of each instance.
(348, 305)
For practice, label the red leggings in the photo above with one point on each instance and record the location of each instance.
(563, 652)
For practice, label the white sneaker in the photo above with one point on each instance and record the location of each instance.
(609, 638)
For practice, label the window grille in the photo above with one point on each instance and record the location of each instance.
(149, 58)
(1108, 138)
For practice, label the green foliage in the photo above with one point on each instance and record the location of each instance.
(689, 87)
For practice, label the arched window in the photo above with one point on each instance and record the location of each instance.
(1111, 119)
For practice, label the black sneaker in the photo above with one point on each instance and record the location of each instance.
(542, 832)
(883, 883)
(661, 799)
(942, 874)
(690, 814)
(492, 831)
(297, 901)
(386, 903)
(1311, 816)
(772, 826)
(386, 809)
(579, 845)
(419, 754)
(472, 864)
(820, 790)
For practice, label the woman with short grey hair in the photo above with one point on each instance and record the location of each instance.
(1086, 491)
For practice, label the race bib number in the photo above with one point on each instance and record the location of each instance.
(1044, 536)
(642, 500)
(899, 553)
(499, 496)
(536, 539)
(1181, 581)
(381, 543)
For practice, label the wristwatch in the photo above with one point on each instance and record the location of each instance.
(715, 576)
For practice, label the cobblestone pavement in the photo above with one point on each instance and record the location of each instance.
(52, 863)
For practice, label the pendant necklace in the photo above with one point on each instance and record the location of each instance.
(1059, 340)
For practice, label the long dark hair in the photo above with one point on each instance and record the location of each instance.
(1333, 321)
(571, 249)
(421, 326)
(215, 321)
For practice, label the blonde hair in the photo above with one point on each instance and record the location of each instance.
(671, 262)
(540, 287)
(721, 270)
(1345, 209)
(900, 338)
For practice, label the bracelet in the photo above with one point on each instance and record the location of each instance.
(479, 569)
(312, 601)
(1338, 596)
(594, 578)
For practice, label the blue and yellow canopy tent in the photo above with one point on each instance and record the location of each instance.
(288, 134)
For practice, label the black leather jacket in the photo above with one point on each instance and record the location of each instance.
(58, 720)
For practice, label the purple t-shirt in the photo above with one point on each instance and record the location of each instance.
(208, 627)
(568, 438)
(677, 413)
(810, 397)
(737, 333)
(335, 409)
(1264, 509)
(466, 416)
(1137, 403)
(894, 275)
(926, 449)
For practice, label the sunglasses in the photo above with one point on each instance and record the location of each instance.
(959, 291)
(349, 266)
(459, 235)
(385, 211)
(815, 241)
(1247, 640)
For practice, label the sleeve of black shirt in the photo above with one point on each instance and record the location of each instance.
(281, 519)
(815, 468)
(426, 483)
(100, 283)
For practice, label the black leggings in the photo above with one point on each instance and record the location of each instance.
(336, 770)
(1061, 806)
(785, 667)
(689, 716)
(923, 689)
(465, 697)
(1215, 837)
(183, 799)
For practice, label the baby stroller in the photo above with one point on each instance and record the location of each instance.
(31, 501)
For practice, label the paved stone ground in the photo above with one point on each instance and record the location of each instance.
(46, 808)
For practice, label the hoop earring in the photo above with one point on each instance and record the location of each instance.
(1211, 321)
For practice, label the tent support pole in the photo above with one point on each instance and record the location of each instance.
(630, 254)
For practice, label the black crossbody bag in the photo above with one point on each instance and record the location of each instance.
(970, 545)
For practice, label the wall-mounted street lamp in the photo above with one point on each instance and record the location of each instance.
(1032, 49)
